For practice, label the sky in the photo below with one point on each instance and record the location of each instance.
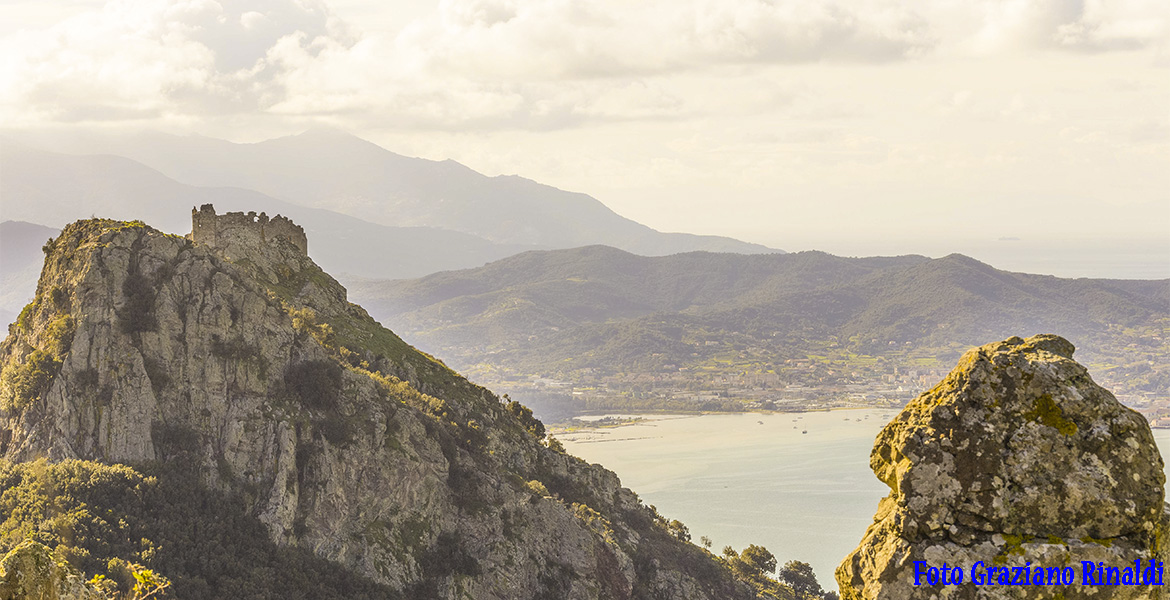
(1034, 134)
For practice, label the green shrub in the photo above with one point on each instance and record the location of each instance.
(174, 442)
(527, 420)
(157, 373)
(86, 379)
(30, 380)
(234, 349)
(24, 321)
(110, 519)
(59, 297)
(448, 556)
(538, 488)
(305, 321)
(315, 384)
(137, 313)
(336, 429)
(680, 531)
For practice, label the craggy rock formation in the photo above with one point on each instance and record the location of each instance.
(1016, 457)
(31, 572)
(248, 363)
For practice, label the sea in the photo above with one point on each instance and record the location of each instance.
(798, 484)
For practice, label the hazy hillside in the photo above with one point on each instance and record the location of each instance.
(598, 284)
(54, 189)
(20, 264)
(602, 311)
(331, 169)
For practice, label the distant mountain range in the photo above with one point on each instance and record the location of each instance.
(331, 169)
(598, 308)
(39, 186)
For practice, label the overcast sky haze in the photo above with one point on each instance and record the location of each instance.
(1025, 133)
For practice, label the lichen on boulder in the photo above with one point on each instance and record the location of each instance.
(31, 572)
(1016, 458)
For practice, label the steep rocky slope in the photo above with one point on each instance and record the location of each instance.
(245, 368)
(1016, 459)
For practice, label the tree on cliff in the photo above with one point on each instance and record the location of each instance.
(754, 565)
(803, 580)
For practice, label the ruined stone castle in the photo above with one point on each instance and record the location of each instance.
(251, 229)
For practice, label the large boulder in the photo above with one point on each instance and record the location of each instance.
(1017, 458)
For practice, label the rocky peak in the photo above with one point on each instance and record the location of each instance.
(1016, 457)
(242, 366)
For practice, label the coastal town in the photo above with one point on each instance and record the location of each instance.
(793, 385)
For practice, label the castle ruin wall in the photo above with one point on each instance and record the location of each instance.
(250, 229)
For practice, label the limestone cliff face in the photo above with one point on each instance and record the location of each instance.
(249, 365)
(1017, 457)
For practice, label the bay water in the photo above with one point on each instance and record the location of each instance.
(796, 483)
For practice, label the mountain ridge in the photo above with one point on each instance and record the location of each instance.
(589, 315)
(326, 168)
(68, 187)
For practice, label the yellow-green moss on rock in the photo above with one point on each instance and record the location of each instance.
(1046, 412)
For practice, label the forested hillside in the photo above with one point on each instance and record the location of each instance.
(588, 313)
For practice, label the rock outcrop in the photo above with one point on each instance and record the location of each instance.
(1016, 459)
(248, 364)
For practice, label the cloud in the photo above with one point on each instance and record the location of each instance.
(1075, 25)
(1103, 26)
(1149, 131)
(555, 39)
(360, 86)
(148, 60)
(143, 59)
(503, 64)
